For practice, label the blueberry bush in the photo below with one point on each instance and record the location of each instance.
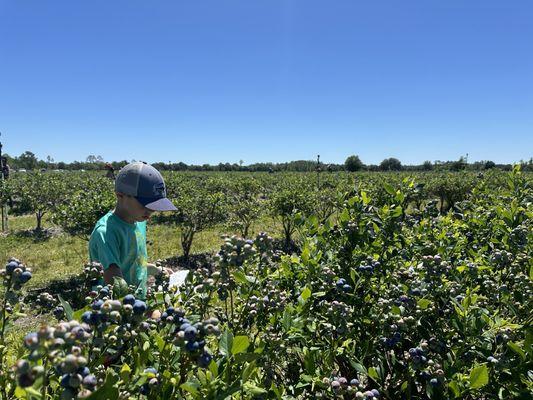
(388, 295)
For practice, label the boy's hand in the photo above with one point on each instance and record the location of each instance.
(156, 271)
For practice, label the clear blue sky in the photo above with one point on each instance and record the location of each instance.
(214, 81)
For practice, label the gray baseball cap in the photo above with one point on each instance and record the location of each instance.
(146, 184)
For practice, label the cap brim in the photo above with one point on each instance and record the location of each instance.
(162, 204)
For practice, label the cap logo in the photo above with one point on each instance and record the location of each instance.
(159, 189)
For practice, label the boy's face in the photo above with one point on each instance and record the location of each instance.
(135, 210)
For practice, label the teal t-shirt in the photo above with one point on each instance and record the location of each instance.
(115, 241)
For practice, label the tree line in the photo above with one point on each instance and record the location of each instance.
(29, 161)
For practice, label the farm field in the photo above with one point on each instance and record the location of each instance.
(332, 285)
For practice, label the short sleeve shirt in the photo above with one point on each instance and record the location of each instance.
(115, 241)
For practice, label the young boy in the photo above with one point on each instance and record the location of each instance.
(118, 240)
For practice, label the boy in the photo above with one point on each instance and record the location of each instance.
(118, 240)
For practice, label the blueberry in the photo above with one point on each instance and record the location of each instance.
(86, 317)
(192, 346)
(190, 333)
(434, 382)
(185, 326)
(58, 312)
(341, 282)
(170, 311)
(90, 381)
(354, 382)
(346, 288)
(10, 267)
(375, 392)
(129, 299)
(31, 340)
(97, 304)
(25, 276)
(204, 360)
(150, 370)
(25, 380)
(65, 380)
(139, 307)
(84, 371)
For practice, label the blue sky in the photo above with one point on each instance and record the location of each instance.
(265, 80)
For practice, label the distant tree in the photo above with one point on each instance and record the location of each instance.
(27, 160)
(390, 164)
(489, 165)
(458, 165)
(353, 163)
(427, 166)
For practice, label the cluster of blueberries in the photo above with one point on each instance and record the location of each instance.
(61, 345)
(105, 312)
(339, 384)
(343, 285)
(191, 336)
(417, 356)
(369, 268)
(16, 274)
(76, 379)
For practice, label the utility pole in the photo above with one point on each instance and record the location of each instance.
(318, 171)
(3, 206)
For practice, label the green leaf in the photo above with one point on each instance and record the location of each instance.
(107, 391)
(250, 388)
(423, 303)
(397, 211)
(240, 344)
(373, 373)
(240, 277)
(226, 343)
(389, 188)
(517, 349)
(190, 387)
(479, 377)
(455, 388)
(120, 287)
(306, 293)
(213, 367)
(365, 198)
(68, 309)
(125, 372)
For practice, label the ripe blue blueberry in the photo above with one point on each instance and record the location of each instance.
(192, 346)
(139, 307)
(346, 288)
(129, 299)
(97, 304)
(10, 267)
(204, 360)
(25, 276)
(184, 326)
(190, 333)
(86, 317)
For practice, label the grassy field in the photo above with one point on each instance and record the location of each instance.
(60, 256)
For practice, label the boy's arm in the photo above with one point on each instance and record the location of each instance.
(111, 272)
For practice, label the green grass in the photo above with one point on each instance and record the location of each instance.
(61, 255)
